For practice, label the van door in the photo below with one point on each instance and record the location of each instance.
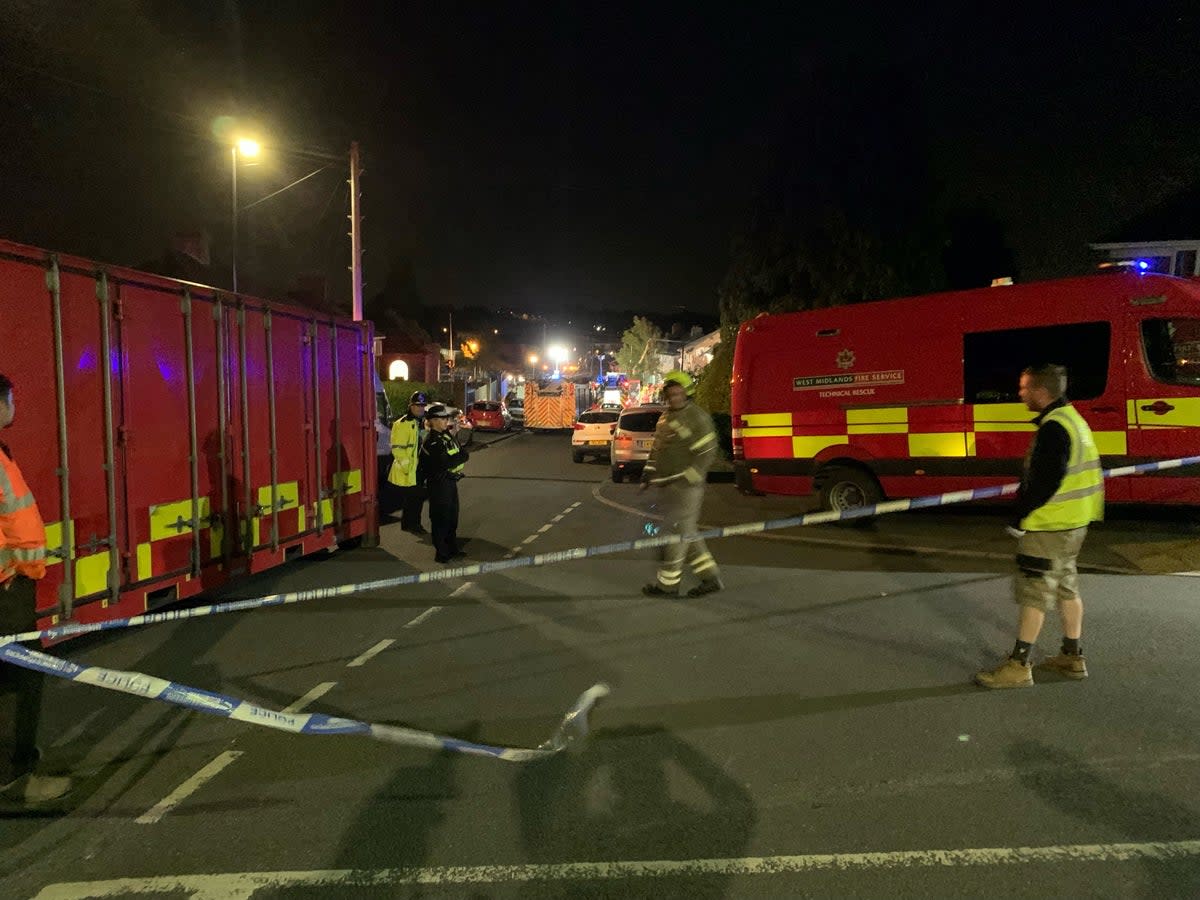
(1163, 405)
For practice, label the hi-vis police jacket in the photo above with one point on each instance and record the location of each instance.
(22, 532)
(442, 460)
(406, 443)
(685, 447)
(1078, 498)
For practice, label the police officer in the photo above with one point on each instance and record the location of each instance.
(685, 447)
(1061, 493)
(406, 444)
(22, 564)
(441, 468)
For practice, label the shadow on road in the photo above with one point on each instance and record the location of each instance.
(1070, 786)
(634, 793)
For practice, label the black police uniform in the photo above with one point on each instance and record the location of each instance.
(440, 469)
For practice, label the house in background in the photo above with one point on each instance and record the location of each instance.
(399, 357)
(1164, 239)
(698, 353)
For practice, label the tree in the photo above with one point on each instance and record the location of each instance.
(640, 345)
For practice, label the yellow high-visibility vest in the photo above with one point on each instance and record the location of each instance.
(1079, 500)
(406, 442)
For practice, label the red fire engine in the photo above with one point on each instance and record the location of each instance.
(176, 436)
(902, 398)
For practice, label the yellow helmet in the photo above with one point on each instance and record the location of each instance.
(683, 379)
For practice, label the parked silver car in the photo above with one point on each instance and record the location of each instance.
(633, 440)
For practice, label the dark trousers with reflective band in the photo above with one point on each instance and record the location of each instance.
(412, 499)
(443, 516)
(20, 689)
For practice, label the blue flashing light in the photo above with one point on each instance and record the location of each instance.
(1143, 265)
(87, 360)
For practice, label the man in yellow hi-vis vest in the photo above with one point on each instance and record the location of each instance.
(406, 445)
(1062, 492)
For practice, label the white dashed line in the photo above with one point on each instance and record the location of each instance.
(532, 537)
(544, 529)
(188, 788)
(425, 615)
(559, 517)
(374, 651)
(315, 694)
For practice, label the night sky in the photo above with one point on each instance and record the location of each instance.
(543, 156)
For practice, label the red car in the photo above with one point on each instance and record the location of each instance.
(489, 415)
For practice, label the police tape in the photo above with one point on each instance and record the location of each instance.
(59, 632)
(573, 727)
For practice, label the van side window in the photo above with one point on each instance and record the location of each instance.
(1172, 348)
(993, 360)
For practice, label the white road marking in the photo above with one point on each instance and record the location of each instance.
(544, 529)
(559, 517)
(574, 505)
(433, 609)
(240, 885)
(77, 729)
(374, 651)
(315, 694)
(186, 789)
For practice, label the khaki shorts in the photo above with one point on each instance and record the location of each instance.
(1046, 570)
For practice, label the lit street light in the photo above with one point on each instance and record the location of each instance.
(249, 149)
(558, 355)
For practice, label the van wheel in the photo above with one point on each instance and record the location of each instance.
(577, 456)
(618, 476)
(844, 488)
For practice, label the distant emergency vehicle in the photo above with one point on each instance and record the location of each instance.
(902, 398)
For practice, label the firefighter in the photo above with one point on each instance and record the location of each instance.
(441, 468)
(406, 444)
(685, 446)
(1061, 493)
(22, 563)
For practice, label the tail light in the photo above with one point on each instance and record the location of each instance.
(579, 426)
(622, 436)
(739, 449)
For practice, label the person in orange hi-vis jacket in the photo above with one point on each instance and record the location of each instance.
(22, 564)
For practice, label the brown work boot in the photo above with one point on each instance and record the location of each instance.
(1065, 664)
(1009, 674)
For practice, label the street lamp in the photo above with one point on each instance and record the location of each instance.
(249, 149)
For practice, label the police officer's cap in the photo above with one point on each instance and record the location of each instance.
(419, 398)
(439, 411)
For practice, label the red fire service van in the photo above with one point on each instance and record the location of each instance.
(175, 436)
(902, 398)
